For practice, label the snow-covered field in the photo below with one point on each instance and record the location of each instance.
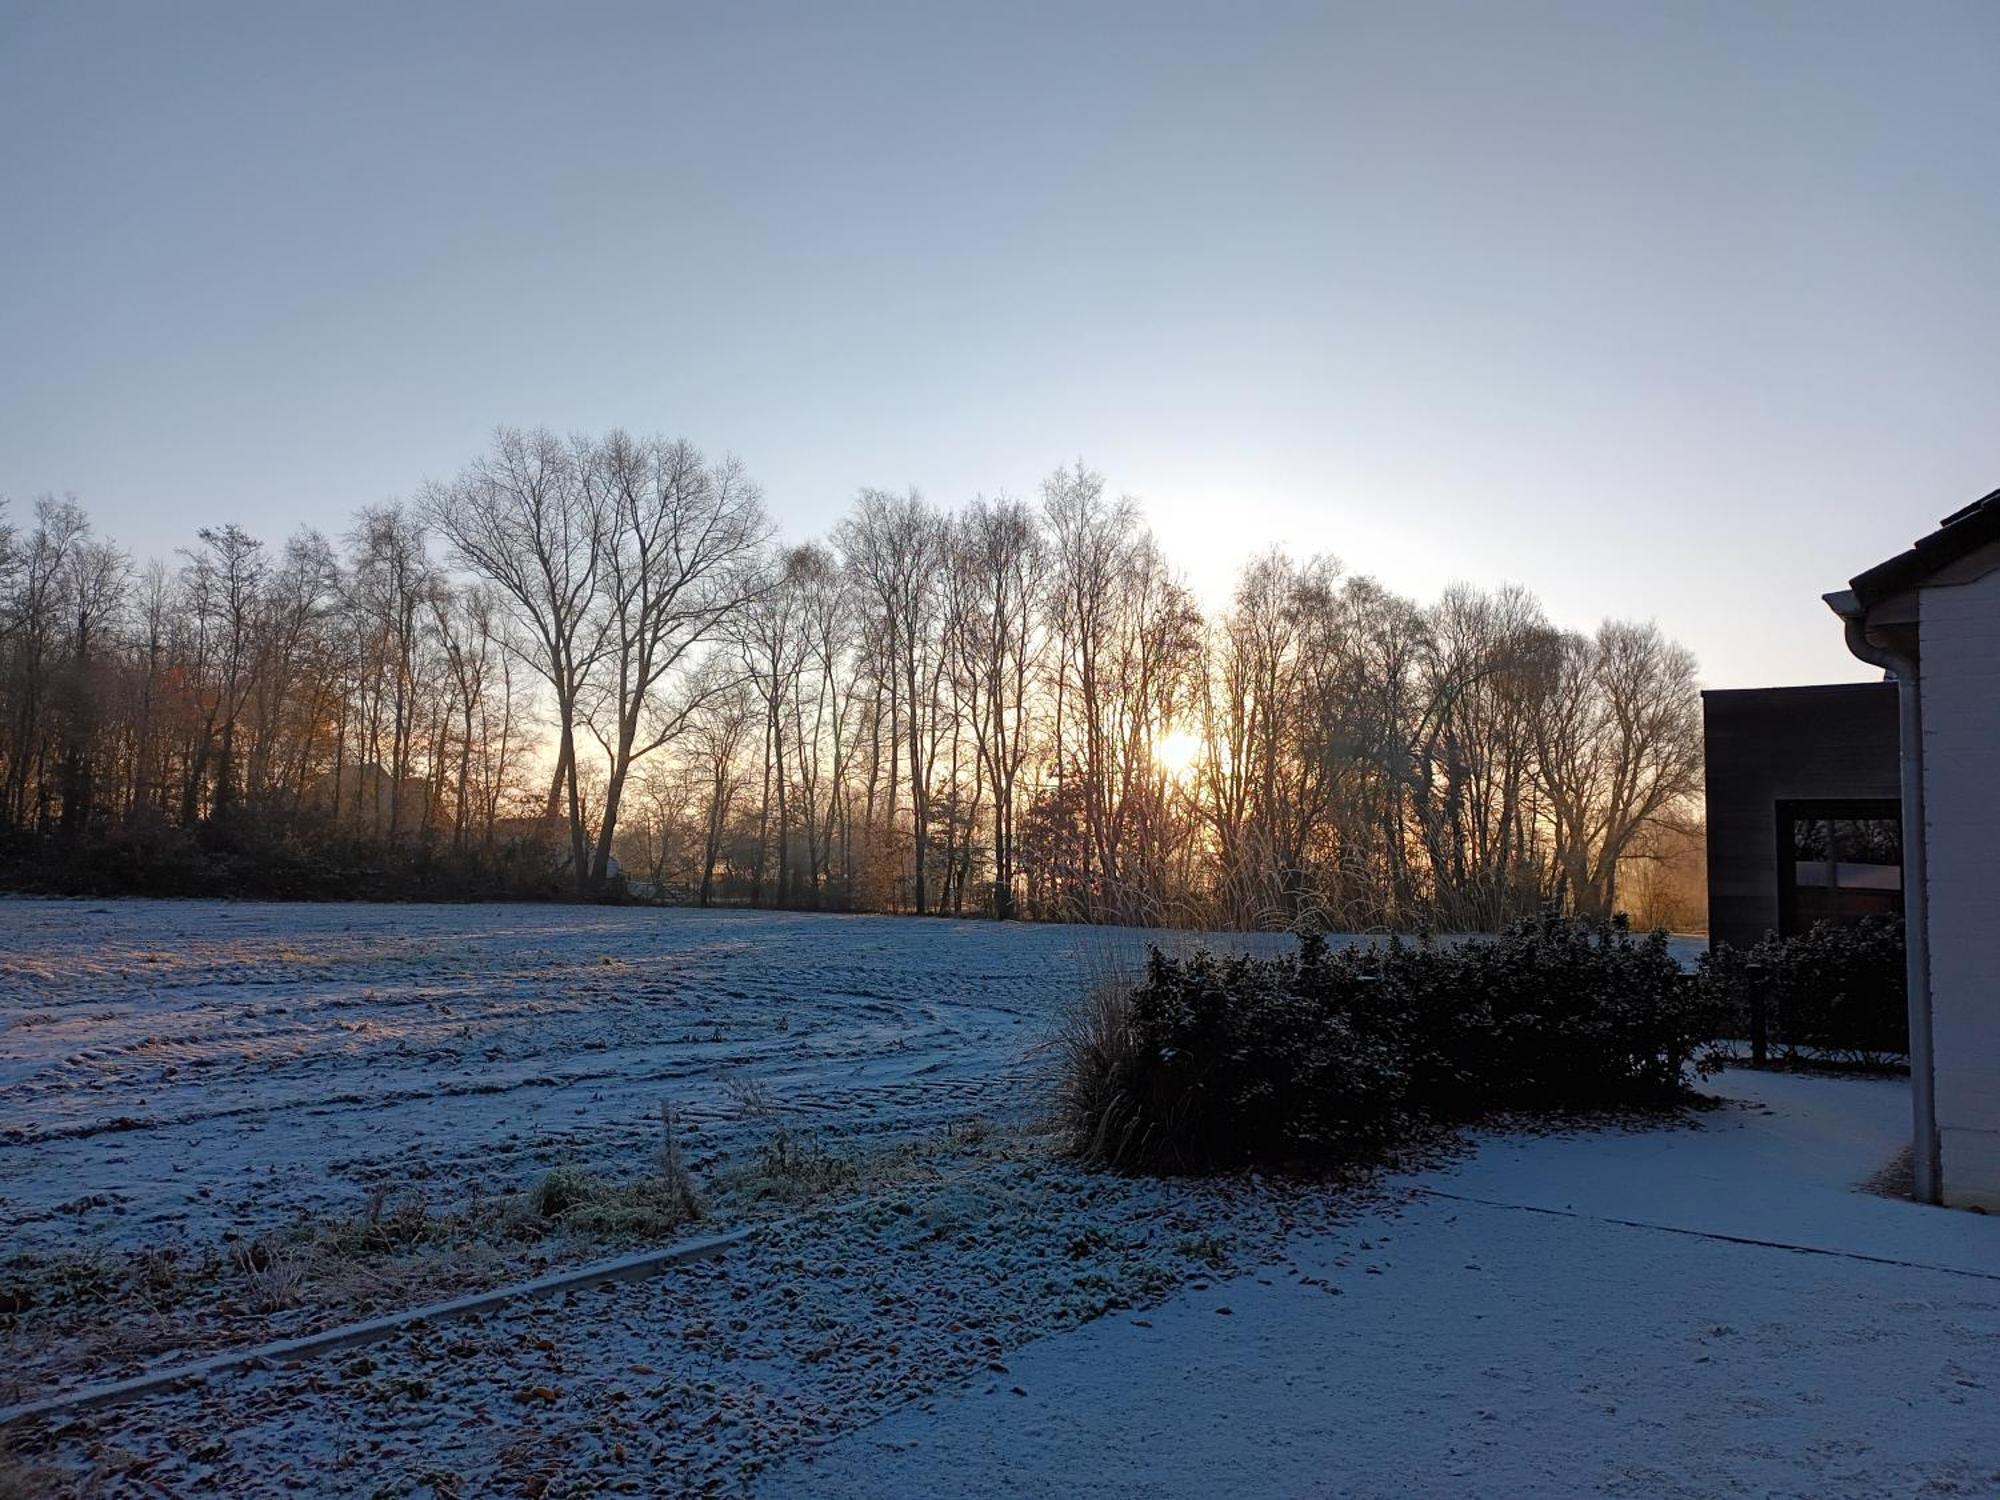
(177, 1077)
(173, 1069)
(189, 1069)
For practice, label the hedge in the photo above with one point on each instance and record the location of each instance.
(1210, 1062)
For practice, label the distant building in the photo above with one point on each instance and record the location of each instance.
(1804, 808)
(1931, 617)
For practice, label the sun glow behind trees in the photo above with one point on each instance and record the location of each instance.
(1009, 706)
(1177, 752)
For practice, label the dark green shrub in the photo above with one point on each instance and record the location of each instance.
(1209, 1062)
(1836, 992)
(1557, 1013)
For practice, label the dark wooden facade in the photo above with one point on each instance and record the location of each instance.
(1768, 748)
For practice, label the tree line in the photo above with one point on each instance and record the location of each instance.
(588, 666)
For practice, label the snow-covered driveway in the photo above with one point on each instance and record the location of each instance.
(1689, 1314)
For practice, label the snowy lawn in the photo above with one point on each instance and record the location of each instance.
(192, 1069)
(197, 1068)
(179, 1080)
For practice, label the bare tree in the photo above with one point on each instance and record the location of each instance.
(999, 555)
(820, 706)
(997, 697)
(893, 546)
(1129, 640)
(772, 645)
(718, 731)
(391, 587)
(1618, 745)
(223, 582)
(680, 536)
(528, 518)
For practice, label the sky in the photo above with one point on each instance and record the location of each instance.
(1685, 312)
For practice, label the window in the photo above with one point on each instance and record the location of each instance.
(1838, 861)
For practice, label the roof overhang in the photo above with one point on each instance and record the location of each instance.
(1880, 606)
(1958, 536)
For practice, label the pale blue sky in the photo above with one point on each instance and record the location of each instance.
(1678, 311)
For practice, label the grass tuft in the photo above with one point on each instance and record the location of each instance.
(273, 1278)
(647, 1206)
(796, 1168)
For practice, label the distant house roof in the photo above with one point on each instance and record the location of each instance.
(1960, 533)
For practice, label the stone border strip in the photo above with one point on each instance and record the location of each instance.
(631, 1267)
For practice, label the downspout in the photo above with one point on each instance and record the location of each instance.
(1916, 924)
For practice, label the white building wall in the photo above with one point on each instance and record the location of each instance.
(1960, 634)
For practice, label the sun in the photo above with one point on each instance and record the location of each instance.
(1176, 752)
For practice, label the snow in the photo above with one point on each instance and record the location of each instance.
(1713, 1308)
(1782, 1167)
(182, 1078)
(282, 1059)
(705, 1376)
(279, 1059)
(1551, 1316)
